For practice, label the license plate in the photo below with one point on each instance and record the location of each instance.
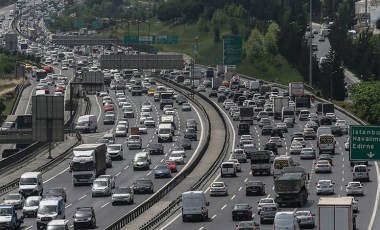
(239, 213)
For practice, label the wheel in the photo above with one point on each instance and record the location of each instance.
(113, 203)
(233, 219)
(94, 224)
(184, 219)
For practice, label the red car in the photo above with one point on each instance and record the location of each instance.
(108, 107)
(172, 165)
(60, 89)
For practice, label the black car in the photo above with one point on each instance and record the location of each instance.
(185, 143)
(242, 211)
(213, 93)
(336, 130)
(271, 146)
(255, 188)
(325, 121)
(222, 98)
(57, 192)
(277, 132)
(84, 217)
(181, 99)
(143, 186)
(190, 133)
(266, 130)
(243, 129)
(156, 149)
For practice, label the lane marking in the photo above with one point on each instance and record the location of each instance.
(224, 206)
(117, 174)
(233, 197)
(68, 205)
(80, 198)
(104, 205)
(374, 211)
(56, 175)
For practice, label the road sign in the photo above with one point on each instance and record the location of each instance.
(364, 142)
(232, 49)
(167, 39)
(120, 61)
(78, 24)
(96, 25)
(150, 39)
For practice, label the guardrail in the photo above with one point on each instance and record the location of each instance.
(133, 214)
(20, 88)
(176, 204)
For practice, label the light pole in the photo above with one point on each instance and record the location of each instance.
(310, 47)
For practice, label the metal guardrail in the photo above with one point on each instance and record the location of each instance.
(176, 204)
(19, 89)
(133, 214)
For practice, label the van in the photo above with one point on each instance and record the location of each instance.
(304, 114)
(228, 168)
(194, 206)
(31, 184)
(165, 132)
(40, 92)
(285, 221)
(87, 123)
(142, 160)
(110, 137)
(324, 130)
(360, 173)
(51, 208)
(58, 224)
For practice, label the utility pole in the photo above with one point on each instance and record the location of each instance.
(310, 47)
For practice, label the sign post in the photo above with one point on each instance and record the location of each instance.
(232, 49)
(364, 142)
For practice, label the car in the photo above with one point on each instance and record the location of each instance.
(309, 133)
(268, 213)
(156, 148)
(354, 188)
(108, 107)
(101, 187)
(312, 124)
(323, 166)
(265, 201)
(300, 140)
(110, 178)
(305, 219)
(172, 165)
(191, 133)
(295, 147)
(221, 89)
(64, 67)
(336, 130)
(121, 131)
(169, 111)
(186, 107)
(236, 116)
(31, 206)
(264, 121)
(325, 187)
(180, 150)
(289, 122)
(244, 225)
(123, 195)
(332, 115)
(343, 126)
(283, 127)
(201, 88)
(15, 199)
(321, 38)
(218, 188)
(271, 146)
(242, 211)
(222, 98)
(142, 129)
(143, 186)
(177, 157)
(58, 191)
(185, 143)
(162, 170)
(240, 155)
(238, 166)
(84, 217)
(308, 153)
(109, 119)
(327, 157)
(266, 130)
(254, 188)
(276, 140)
(181, 100)
(149, 122)
(213, 93)
(347, 144)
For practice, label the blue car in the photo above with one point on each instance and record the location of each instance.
(162, 171)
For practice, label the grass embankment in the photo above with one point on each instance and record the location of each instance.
(210, 53)
(7, 86)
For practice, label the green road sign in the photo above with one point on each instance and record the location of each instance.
(167, 39)
(232, 50)
(78, 24)
(364, 142)
(96, 25)
(142, 39)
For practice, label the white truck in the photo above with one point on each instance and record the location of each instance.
(278, 104)
(165, 132)
(296, 89)
(216, 82)
(254, 86)
(335, 213)
(288, 112)
(17, 123)
(326, 143)
(219, 69)
(89, 161)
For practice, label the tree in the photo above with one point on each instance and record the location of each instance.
(217, 34)
(365, 97)
(234, 27)
(378, 24)
(271, 38)
(219, 17)
(255, 46)
(203, 25)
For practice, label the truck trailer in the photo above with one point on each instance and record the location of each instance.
(278, 104)
(336, 213)
(246, 115)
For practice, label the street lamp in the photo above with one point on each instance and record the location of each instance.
(310, 47)
(148, 27)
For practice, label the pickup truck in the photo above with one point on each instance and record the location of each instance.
(8, 218)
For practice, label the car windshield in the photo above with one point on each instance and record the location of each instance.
(47, 209)
(55, 190)
(241, 206)
(55, 227)
(122, 191)
(217, 185)
(324, 182)
(246, 224)
(31, 202)
(300, 213)
(28, 181)
(100, 184)
(113, 147)
(178, 149)
(5, 211)
(83, 213)
(120, 128)
(143, 182)
(266, 201)
(176, 155)
(354, 184)
(161, 167)
(13, 197)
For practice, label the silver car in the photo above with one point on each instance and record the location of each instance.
(307, 153)
(101, 187)
(15, 199)
(305, 219)
(31, 206)
(325, 187)
(354, 188)
(123, 195)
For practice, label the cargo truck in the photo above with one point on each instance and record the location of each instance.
(327, 108)
(261, 162)
(302, 102)
(216, 82)
(264, 89)
(89, 161)
(290, 186)
(168, 119)
(278, 104)
(254, 85)
(219, 69)
(296, 89)
(326, 144)
(17, 123)
(336, 213)
(288, 112)
(246, 115)
(166, 98)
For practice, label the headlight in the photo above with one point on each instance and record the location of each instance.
(89, 218)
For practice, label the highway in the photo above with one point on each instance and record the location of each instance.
(220, 208)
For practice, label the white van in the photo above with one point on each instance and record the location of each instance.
(51, 208)
(228, 168)
(324, 130)
(194, 206)
(87, 123)
(360, 173)
(142, 160)
(165, 132)
(40, 92)
(31, 184)
(285, 221)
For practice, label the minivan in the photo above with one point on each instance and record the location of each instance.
(360, 173)
(194, 205)
(304, 114)
(51, 208)
(87, 123)
(31, 184)
(228, 168)
(142, 160)
(285, 221)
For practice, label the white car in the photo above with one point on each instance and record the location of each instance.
(177, 158)
(354, 188)
(64, 67)
(102, 187)
(110, 178)
(332, 115)
(300, 140)
(121, 131)
(218, 188)
(221, 89)
(246, 137)
(143, 129)
(343, 126)
(149, 122)
(239, 155)
(325, 187)
(123, 194)
(228, 105)
(276, 140)
(237, 164)
(264, 202)
(295, 147)
(323, 166)
(15, 199)
(169, 111)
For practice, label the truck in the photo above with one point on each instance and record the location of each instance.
(8, 217)
(17, 123)
(261, 162)
(278, 104)
(235, 83)
(254, 85)
(166, 98)
(296, 89)
(168, 119)
(135, 131)
(290, 186)
(335, 213)
(165, 132)
(32, 32)
(219, 70)
(209, 72)
(89, 161)
(246, 115)
(325, 108)
(216, 82)
(301, 102)
(229, 72)
(288, 112)
(264, 89)
(324, 32)
(107, 78)
(326, 144)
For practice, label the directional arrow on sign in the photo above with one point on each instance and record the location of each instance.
(370, 154)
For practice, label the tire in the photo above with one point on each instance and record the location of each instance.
(94, 224)
(184, 219)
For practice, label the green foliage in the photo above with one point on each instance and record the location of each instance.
(217, 38)
(234, 27)
(255, 46)
(365, 97)
(271, 38)
(378, 24)
(203, 25)
(219, 17)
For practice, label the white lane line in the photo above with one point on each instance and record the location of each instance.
(68, 205)
(80, 198)
(117, 174)
(268, 195)
(100, 109)
(149, 173)
(240, 188)
(245, 180)
(200, 228)
(104, 205)
(126, 167)
(341, 187)
(29, 227)
(233, 197)
(56, 175)
(374, 211)
(224, 206)
(213, 217)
